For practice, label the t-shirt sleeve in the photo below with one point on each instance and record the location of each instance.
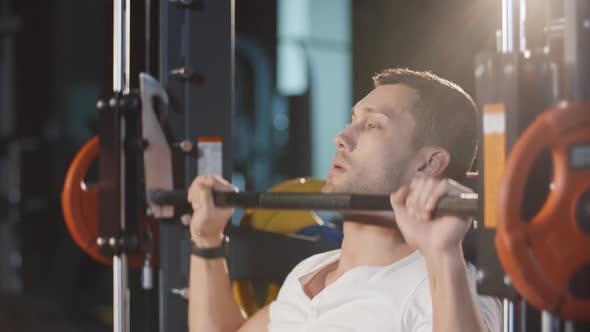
(490, 307)
(491, 312)
(417, 315)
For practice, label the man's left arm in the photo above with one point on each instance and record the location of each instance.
(453, 305)
(439, 240)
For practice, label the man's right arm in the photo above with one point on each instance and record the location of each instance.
(211, 304)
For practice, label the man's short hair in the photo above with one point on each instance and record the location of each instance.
(445, 116)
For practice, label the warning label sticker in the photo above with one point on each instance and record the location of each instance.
(211, 156)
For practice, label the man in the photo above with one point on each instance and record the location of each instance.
(407, 136)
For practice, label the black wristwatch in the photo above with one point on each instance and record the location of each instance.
(210, 253)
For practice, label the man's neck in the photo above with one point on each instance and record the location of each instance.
(371, 245)
(363, 245)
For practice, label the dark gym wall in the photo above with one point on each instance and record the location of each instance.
(440, 36)
(60, 69)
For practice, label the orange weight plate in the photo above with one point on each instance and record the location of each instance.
(548, 257)
(80, 208)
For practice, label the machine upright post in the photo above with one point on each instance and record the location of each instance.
(508, 315)
(511, 23)
(577, 50)
(121, 57)
(207, 92)
(522, 15)
(118, 45)
(120, 299)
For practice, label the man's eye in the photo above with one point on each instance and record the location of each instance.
(371, 126)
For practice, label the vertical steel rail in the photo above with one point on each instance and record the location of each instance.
(522, 25)
(508, 315)
(121, 56)
(507, 27)
(511, 25)
(127, 48)
(118, 45)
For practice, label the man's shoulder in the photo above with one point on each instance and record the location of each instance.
(403, 276)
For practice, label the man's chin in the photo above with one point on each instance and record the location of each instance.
(331, 188)
(327, 188)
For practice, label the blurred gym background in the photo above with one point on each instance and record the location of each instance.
(300, 67)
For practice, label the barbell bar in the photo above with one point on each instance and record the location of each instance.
(465, 204)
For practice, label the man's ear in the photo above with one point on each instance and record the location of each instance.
(435, 161)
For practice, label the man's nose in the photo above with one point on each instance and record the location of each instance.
(344, 139)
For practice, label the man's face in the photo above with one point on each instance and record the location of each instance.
(375, 152)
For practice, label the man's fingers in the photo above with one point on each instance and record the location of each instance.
(227, 183)
(441, 189)
(192, 190)
(217, 183)
(225, 187)
(399, 197)
(398, 203)
(199, 184)
(424, 198)
(204, 184)
(413, 205)
(208, 181)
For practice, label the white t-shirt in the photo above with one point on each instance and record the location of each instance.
(367, 298)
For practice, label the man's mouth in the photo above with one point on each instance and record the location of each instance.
(337, 167)
(337, 164)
